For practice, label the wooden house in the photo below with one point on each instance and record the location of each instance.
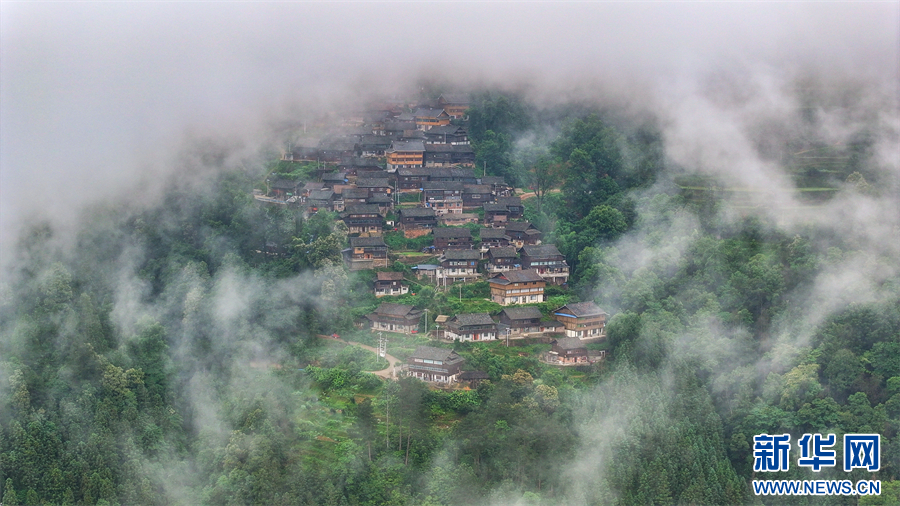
(390, 283)
(547, 261)
(502, 259)
(514, 205)
(499, 187)
(415, 218)
(475, 195)
(495, 215)
(517, 287)
(455, 104)
(448, 155)
(452, 238)
(428, 117)
(522, 233)
(568, 350)
(366, 253)
(352, 196)
(375, 185)
(405, 154)
(363, 219)
(435, 364)
(321, 200)
(493, 238)
(451, 134)
(584, 320)
(283, 188)
(522, 320)
(401, 318)
(443, 196)
(458, 265)
(411, 179)
(330, 179)
(471, 327)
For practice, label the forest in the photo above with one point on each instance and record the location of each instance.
(155, 354)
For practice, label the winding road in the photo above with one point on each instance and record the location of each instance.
(387, 373)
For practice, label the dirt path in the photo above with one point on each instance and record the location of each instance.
(526, 196)
(388, 372)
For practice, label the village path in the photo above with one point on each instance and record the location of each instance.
(529, 195)
(387, 372)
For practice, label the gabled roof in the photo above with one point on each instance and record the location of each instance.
(411, 145)
(449, 232)
(473, 319)
(476, 188)
(490, 207)
(462, 254)
(580, 309)
(492, 180)
(355, 193)
(334, 176)
(414, 171)
(373, 182)
(363, 242)
(442, 185)
(519, 226)
(429, 112)
(361, 209)
(493, 233)
(523, 276)
(379, 198)
(542, 251)
(455, 98)
(432, 353)
(453, 172)
(569, 343)
(389, 276)
(416, 211)
(284, 184)
(503, 252)
(449, 148)
(510, 201)
(473, 375)
(445, 129)
(308, 187)
(523, 313)
(389, 309)
(321, 194)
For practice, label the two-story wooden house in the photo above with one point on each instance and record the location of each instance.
(283, 188)
(401, 318)
(517, 287)
(375, 185)
(495, 215)
(366, 253)
(584, 320)
(522, 320)
(411, 179)
(499, 187)
(451, 134)
(502, 259)
(522, 233)
(452, 238)
(475, 195)
(363, 219)
(428, 117)
(390, 283)
(435, 364)
(330, 179)
(443, 196)
(353, 196)
(448, 155)
(547, 261)
(493, 238)
(321, 200)
(416, 218)
(405, 154)
(568, 350)
(458, 265)
(514, 205)
(471, 327)
(456, 104)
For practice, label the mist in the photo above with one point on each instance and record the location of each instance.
(112, 105)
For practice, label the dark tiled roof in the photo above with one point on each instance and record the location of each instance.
(412, 145)
(473, 375)
(490, 207)
(362, 242)
(361, 209)
(373, 182)
(379, 198)
(523, 313)
(477, 188)
(519, 226)
(414, 171)
(432, 353)
(473, 319)
(502, 252)
(569, 343)
(462, 254)
(581, 309)
(321, 194)
(446, 129)
(355, 193)
(450, 148)
(493, 233)
(389, 276)
(334, 176)
(542, 251)
(287, 184)
(455, 98)
(389, 309)
(442, 185)
(510, 201)
(492, 179)
(417, 211)
(449, 232)
(522, 276)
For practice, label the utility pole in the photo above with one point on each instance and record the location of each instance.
(426, 322)
(507, 337)
(382, 346)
